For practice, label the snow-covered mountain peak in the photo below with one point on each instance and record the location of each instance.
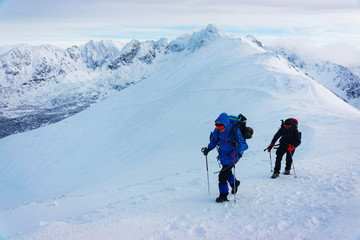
(213, 29)
(253, 40)
(195, 40)
(96, 54)
(163, 42)
(133, 44)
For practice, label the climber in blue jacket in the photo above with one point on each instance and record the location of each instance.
(231, 147)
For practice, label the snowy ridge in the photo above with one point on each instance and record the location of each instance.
(341, 80)
(130, 167)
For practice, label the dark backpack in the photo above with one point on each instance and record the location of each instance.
(240, 122)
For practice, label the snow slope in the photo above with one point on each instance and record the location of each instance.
(130, 167)
(343, 81)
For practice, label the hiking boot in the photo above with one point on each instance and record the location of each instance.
(287, 172)
(275, 175)
(234, 190)
(222, 198)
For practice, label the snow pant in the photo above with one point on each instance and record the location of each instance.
(279, 155)
(226, 176)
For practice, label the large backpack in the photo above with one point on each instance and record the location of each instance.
(240, 122)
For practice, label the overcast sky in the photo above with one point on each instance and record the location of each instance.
(330, 26)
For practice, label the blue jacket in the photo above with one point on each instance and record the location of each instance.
(226, 151)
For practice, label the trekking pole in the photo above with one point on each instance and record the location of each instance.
(207, 171)
(270, 159)
(292, 161)
(235, 187)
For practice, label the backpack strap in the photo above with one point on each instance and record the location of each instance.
(232, 132)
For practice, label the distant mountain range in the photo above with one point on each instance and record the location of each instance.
(45, 84)
(343, 81)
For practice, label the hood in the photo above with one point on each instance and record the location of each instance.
(224, 119)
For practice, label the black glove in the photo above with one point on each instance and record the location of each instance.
(234, 144)
(205, 150)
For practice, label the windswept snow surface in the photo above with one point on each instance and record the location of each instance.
(130, 167)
